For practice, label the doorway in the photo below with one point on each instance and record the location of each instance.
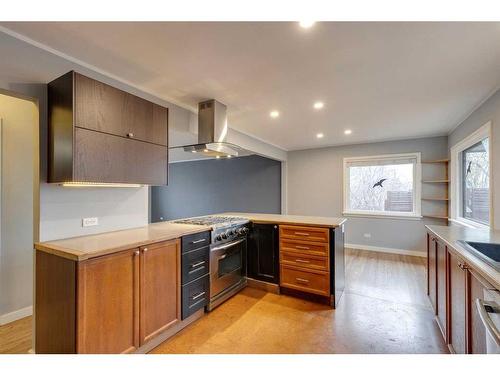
(19, 202)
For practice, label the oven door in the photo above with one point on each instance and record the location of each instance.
(227, 265)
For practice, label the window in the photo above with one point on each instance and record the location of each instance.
(387, 185)
(470, 179)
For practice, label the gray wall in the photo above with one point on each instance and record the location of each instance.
(246, 184)
(488, 111)
(314, 184)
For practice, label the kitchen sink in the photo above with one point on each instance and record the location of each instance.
(489, 252)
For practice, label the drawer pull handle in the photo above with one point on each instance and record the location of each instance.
(198, 296)
(195, 265)
(302, 247)
(136, 252)
(301, 261)
(302, 234)
(303, 281)
(199, 241)
(130, 135)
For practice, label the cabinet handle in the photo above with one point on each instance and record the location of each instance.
(130, 135)
(198, 296)
(197, 264)
(302, 247)
(145, 249)
(198, 241)
(301, 261)
(302, 234)
(136, 252)
(463, 266)
(275, 227)
(303, 281)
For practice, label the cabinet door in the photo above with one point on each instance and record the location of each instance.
(441, 260)
(108, 303)
(458, 304)
(477, 329)
(432, 272)
(263, 253)
(101, 107)
(103, 157)
(160, 288)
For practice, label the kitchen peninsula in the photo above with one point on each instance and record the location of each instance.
(128, 291)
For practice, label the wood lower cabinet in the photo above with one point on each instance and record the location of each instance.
(453, 288)
(441, 287)
(432, 271)
(458, 298)
(305, 259)
(108, 304)
(160, 291)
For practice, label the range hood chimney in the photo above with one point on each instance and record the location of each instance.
(212, 131)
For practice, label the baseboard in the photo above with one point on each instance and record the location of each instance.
(16, 315)
(389, 250)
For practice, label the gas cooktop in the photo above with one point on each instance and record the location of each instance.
(214, 221)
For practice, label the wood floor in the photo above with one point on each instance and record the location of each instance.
(384, 310)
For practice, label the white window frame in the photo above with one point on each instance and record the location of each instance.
(455, 173)
(417, 188)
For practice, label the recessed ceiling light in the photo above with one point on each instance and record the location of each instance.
(306, 24)
(274, 114)
(318, 105)
(229, 156)
(320, 135)
(347, 131)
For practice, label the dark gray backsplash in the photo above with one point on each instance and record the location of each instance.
(245, 184)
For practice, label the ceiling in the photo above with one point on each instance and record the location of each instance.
(383, 81)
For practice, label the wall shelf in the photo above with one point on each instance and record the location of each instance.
(435, 199)
(444, 182)
(435, 181)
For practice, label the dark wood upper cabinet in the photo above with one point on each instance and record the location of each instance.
(98, 133)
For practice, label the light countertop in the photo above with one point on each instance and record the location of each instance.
(451, 234)
(318, 221)
(86, 247)
(91, 246)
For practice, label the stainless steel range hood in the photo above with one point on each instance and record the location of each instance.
(212, 132)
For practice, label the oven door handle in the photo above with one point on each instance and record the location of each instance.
(225, 246)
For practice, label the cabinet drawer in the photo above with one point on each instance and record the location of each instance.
(304, 247)
(315, 282)
(304, 233)
(195, 264)
(195, 241)
(195, 296)
(305, 261)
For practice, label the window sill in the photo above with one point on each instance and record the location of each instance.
(468, 223)
(382, 215)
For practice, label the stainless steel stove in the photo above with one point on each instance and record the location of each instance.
(228, 249)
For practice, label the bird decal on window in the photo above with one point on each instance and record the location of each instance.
(379, 183)
(468, 168)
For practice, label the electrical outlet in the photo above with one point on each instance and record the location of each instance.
(367, 235)
(90, 221)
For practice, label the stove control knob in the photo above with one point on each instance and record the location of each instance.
(245, 230)
(218, 237)
(230, 232)
(223, 235)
